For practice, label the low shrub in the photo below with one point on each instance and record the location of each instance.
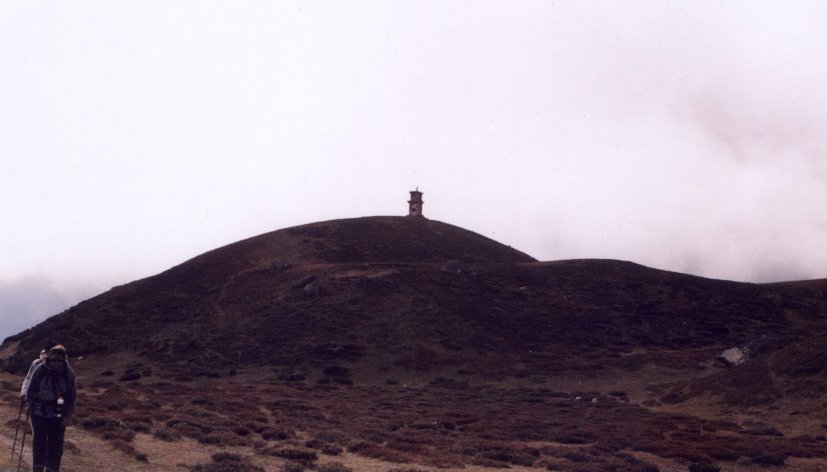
(224, 438)
(227, 457)
(292, 467)
(100, 423)
(274, 434)
(524, 457)
(331, 450)
(129, 449)
(294, 453)
(766, 459)
(119, 435)
(329, 436)
(166, 435)
(129, 376)
(486, 462)
(138, 427)
(189, 428)
(69, 446)
(333, 467)
(431, 426)
(757, 428)
(359, 446)
(574, 437)
(336, 371)
(577, 456)
(725, 455)
(227, 462)
(702, 467)
(384, 454)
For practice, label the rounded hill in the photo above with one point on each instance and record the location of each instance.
(377, 298)
(367, 326)
(372, 239)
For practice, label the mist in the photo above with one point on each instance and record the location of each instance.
(682, 136)
(28, 301)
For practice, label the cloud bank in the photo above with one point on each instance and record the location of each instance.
(25, 302)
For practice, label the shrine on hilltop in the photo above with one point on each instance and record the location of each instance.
(415, 203)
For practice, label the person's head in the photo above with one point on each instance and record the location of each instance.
(56, 355)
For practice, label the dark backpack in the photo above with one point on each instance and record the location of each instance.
(52, 386)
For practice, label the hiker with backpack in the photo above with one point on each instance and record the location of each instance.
(51, 401)
(23, 389)
(28, 378)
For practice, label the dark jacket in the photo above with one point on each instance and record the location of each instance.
(47, 409)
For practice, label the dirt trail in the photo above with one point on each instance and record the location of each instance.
(83, 452)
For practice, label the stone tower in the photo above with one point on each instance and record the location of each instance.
(415, 203)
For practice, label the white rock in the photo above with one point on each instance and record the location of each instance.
(733, 356)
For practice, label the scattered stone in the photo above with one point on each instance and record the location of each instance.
(732, 357)
(304, 281)
(736, 356)
(311, 290)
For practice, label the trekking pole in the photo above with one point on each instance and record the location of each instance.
(23, 441)
(17, 428)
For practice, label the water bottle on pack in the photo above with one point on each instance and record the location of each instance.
(59, 409)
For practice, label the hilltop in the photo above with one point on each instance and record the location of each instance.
(411, 340)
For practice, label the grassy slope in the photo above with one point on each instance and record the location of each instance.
(358, 331)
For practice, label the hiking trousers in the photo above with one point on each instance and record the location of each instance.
(47, 443)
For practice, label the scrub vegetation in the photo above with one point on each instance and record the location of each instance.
(420, 345)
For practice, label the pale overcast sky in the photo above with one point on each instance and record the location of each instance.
(687, 136)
